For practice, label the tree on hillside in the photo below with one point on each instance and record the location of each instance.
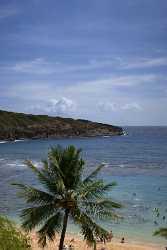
(11, 237)
(65, 194)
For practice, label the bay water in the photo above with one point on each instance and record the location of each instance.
(137, 162)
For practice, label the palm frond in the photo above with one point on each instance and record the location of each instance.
(48, 230)
(161, 232)
(45, 164)
(100, 209)
(62, 163)
(104, 215)
(41, 177)
(71, 158)
(56, 153)
(89, 228)
(93, 174)
(96, 189)
(33, 216)
(54, 166)
(51, 183)
(101, 203)
(108, 204)
(33, 195)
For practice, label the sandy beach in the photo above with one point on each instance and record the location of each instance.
(79, 244)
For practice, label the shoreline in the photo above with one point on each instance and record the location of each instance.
(62, 137)
(130, 242)
(80, 244)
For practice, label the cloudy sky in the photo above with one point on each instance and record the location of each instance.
(103, 60)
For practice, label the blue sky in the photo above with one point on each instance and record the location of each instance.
(99, 60)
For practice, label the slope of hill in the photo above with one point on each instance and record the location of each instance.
(19, 125)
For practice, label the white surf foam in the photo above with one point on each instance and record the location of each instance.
(19, 140)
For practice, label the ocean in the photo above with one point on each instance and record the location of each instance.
(137, 162)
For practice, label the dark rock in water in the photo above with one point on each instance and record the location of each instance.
(14, 126)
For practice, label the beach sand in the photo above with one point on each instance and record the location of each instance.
(79, 244)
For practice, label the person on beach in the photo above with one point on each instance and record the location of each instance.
(110, 236)
(71, 247)
(65, 247)
(123, 240)
(102, 239)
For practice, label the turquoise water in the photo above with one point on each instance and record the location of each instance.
(137, 162)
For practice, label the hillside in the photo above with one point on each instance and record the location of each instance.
(18, 125)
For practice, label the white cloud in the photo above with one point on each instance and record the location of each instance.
(106, 85)
(113, 106)
(41, 66)
(62, 106)
(131, 106)
(106, 106)
(36, 66)
(100, 88)
(144, 63)
(128, 63)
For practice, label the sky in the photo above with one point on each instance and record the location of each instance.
(102, 60)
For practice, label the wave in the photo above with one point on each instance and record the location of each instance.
(125, 133)
(12, 141)
(12, 164)
(18, 164)
(1, 142)
(15, 164)
(19, 140)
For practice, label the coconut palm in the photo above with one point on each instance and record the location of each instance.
(65, 194)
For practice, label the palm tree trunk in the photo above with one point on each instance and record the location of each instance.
(64, 229)
(94, 245)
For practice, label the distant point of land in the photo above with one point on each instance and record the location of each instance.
(27, 126)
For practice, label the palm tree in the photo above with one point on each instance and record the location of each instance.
(65, 193)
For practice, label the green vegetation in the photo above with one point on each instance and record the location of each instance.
(11, 238)
(12, 119)
(161, 232)
(19, 125)
(66, 194)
